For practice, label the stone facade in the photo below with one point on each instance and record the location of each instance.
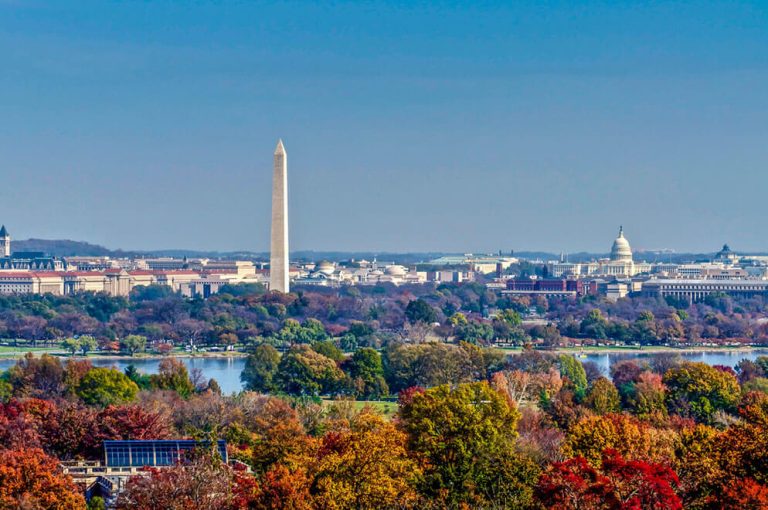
(278, 262)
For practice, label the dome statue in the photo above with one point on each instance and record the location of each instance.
(621, 251)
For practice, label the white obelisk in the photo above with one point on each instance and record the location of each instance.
(278, 261)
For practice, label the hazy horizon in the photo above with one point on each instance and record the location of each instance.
(527, 251)
(409, 128)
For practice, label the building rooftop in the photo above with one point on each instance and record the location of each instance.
(164, 452)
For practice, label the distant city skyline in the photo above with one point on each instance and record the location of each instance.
(445, 127)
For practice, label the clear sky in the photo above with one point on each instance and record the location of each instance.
(456, 126)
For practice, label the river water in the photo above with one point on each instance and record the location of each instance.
(226, 371)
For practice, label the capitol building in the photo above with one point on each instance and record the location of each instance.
(619, 264)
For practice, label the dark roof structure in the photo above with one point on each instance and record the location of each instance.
(167, 452)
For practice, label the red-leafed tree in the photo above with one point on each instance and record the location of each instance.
(201, 482)
(132, 422)
(619, 484)
(745, 493)
(31, 479)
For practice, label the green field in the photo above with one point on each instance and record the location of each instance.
(386, 409)
(23, 349)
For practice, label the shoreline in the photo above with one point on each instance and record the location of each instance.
(654, 350)
(116, 357)
(6, 356)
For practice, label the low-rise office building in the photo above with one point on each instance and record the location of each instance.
(696, 290)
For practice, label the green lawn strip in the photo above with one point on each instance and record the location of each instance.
(385, 408)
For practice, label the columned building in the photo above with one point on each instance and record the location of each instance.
(696, 290)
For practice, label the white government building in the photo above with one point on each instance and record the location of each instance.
(619, 264)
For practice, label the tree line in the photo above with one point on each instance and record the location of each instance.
(472, 430)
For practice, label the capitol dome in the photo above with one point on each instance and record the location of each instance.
(396, 270)
(621, 251)
(326, 267)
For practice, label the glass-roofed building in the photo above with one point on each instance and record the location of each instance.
(126, 458)
(140, 453)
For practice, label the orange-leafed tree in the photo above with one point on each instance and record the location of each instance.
(284, 487)
(365, 466)
(744, 445)
(32, 479)
(594, 434)
(744, 494)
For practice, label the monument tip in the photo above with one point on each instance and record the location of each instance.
(280, 149)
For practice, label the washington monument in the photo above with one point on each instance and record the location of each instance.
(278, 261)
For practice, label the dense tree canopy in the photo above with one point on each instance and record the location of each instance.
(473, 426)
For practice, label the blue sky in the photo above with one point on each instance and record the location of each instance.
(456, 126)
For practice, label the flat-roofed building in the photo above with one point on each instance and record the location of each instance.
(126, 458)
(238, 267)
(31, 282)
(548, 287)
(696, 290)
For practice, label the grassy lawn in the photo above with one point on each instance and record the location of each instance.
(386, 409)
(23, 349)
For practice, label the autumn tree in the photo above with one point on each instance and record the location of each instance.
(74, 371)
(132, 422)
(572, 369)
(260, 369)
(173, 375)
(624, 374)
(270, 432)
(698, 462)
(87, 343)
(617, 484)
(31, 479)
(647, 397)
(526, 388)
(71, 344)
(459, 436)
(133, 343)
(432, 364)
(303, 371)
(698, 390)
(37, 377)
(419, 310)
(593, 434)
(744, 445)
(365, 466)
(743, 493)
(105, 386)
(367, 373)
(603, 397)
(202, 482)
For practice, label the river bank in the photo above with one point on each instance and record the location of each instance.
(121, 357)
(8, 354)
(227, 367)
(654, 349)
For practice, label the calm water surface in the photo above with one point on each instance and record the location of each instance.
(227, 370)
(726, 358)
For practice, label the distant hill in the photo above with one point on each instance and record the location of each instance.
(62, 247)
(68, 248)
